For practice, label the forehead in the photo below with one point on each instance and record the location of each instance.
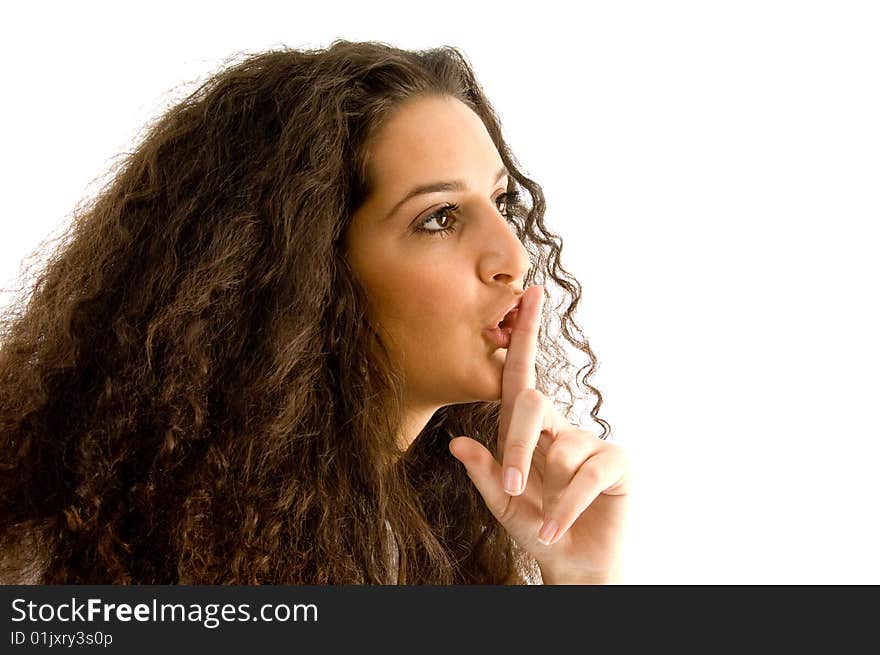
(430, 139)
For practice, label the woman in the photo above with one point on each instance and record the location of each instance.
(252, 356)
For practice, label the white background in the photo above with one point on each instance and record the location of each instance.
(714, 170)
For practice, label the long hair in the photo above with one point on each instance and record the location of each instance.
(190, 390)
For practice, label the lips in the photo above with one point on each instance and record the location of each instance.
(507, 316)
(509, 319)
(498, 334)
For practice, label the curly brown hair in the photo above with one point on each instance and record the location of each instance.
(188, 390)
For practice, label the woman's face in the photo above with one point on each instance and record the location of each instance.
(433, 293)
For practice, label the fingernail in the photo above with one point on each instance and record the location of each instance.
(512, 480)
(547, 532)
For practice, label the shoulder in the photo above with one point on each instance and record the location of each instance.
(527, 571)
(21, 560)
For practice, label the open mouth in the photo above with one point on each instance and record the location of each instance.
(499, 336)
(509, 320)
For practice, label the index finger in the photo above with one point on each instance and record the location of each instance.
(519, 366)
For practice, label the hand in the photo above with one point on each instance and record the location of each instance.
(562, 495)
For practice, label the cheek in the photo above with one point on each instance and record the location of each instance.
(419, 301)
(418, 295)
(428, 322)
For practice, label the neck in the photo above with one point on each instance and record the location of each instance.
(414, 421)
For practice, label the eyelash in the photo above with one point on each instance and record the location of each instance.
(510, 199)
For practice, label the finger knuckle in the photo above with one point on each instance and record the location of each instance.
(518, 449)
(591, 473)
(562, 457)
(552, 499)
(519, 368)
(530, 397)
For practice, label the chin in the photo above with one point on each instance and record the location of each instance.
(484, 383)
(490, 390)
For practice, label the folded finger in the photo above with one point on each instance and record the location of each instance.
(595, 475)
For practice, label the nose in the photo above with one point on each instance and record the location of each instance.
(503, 257)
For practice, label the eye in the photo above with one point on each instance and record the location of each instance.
(510, 199)
(439, 215)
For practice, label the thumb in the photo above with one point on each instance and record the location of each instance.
(484, 471)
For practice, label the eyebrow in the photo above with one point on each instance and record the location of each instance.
(433, 187)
